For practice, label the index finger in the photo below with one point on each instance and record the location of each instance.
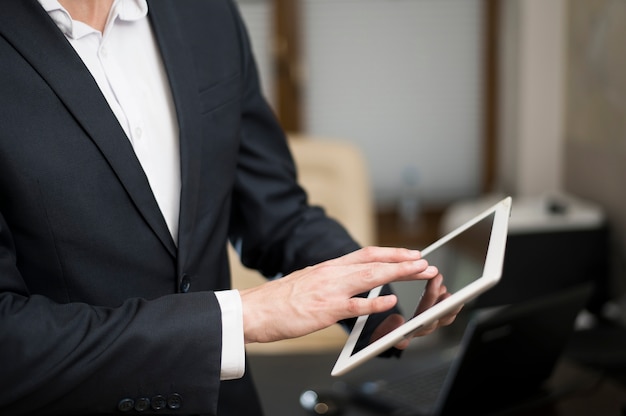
(364, 277)
(375, 254)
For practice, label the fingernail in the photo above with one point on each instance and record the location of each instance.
(431, 269)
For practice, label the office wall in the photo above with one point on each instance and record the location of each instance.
(595, 123)
(401, 79)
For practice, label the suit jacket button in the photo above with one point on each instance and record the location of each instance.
(125, 405)
(174, 401)
(185, 284)
(142, 404)
(158, 402)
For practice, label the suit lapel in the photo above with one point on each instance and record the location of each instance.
(179, 66)
(26, 25)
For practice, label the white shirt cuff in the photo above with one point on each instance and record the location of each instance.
(233, 346)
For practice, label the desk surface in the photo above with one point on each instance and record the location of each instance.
(282, 378)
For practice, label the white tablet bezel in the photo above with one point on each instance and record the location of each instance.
(492, 272)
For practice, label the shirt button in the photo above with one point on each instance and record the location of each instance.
(142, 404)
(158, 403)
(138, 132)
(103, 52)
(185, 284)
(174, 401)
(125, 405)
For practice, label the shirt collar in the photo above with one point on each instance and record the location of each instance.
(125, 10)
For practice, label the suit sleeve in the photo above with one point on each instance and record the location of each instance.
(272, 225)
(58, 358)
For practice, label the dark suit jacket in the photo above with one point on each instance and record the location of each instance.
(97, 303)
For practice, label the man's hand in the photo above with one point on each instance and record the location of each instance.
(434, 292)
(318, 296)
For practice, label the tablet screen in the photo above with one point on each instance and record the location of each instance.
(461, 261)
(470, 260)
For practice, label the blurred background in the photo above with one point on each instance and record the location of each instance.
(453, 104)
(453, 100)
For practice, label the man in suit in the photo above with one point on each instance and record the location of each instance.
(134, 145)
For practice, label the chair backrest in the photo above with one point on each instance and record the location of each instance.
(334, 174)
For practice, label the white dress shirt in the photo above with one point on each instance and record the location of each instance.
(126, 64)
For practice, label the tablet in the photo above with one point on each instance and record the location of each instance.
(470, 259)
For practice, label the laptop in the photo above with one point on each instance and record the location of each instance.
(502, 361)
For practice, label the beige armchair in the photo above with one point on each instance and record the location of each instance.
(335, 175)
